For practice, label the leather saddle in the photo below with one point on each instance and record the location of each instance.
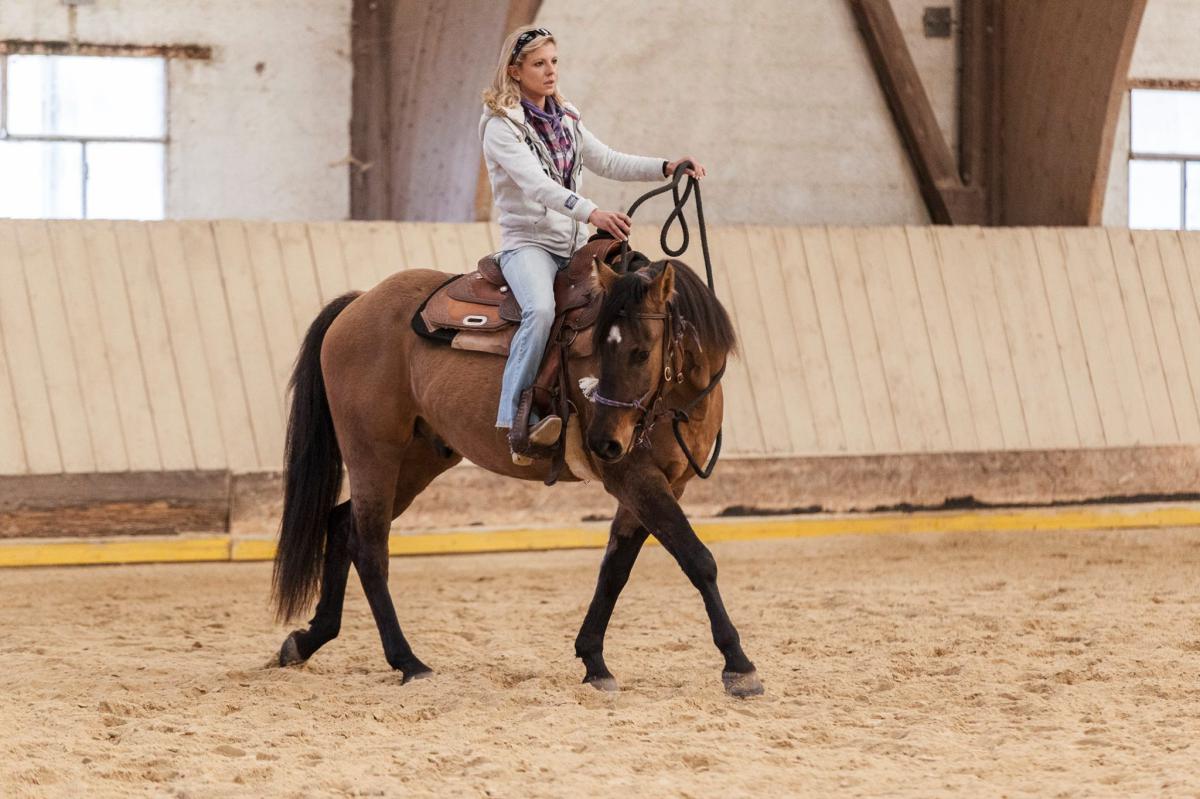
(477, 312)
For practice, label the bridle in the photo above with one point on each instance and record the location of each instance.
(648, 402)
(672, 372)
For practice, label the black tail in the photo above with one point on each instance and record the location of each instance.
(312, 475)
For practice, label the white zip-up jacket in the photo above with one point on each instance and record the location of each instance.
(535, 208)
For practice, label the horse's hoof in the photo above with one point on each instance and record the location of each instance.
(742, 685)
(606, 684)
(409, 676)
(289, 653)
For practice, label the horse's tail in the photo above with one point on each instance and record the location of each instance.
(312, 475)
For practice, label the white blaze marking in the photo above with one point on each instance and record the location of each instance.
(614, 335)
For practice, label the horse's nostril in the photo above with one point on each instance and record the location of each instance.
(607, 450)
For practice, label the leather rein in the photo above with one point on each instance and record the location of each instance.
(674, 326)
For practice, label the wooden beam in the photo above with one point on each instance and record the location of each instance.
(520, 12)
(414, 132)
(949, 201)
(993, 150)
(1065, 69)
(979, 58)
(973, 92)
(370, 163)
(1184, 84)
(192, 52)
(1118, 84)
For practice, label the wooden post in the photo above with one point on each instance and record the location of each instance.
(1065, 68)
(414, 130)
(949, 201)
(520, 12)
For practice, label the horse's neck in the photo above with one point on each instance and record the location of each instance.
(685, 392)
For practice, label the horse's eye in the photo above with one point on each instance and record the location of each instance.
(641, 356)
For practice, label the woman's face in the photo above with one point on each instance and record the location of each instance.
(538, 73)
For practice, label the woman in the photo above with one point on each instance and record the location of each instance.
(535, 147)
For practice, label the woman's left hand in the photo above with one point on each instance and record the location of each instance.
(697, 169)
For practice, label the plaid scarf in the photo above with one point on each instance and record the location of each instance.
(549, 126)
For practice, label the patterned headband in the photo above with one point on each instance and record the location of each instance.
(524, 39)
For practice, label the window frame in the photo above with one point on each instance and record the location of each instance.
(1191, 87)
(84, 141)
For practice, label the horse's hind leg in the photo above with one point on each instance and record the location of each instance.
(371, 501)
(327, 620)
(424, 459)
(380, 495)
(625, 539)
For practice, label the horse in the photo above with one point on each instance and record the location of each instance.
(394, 410)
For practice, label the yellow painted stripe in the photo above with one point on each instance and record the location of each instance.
(589, 536)
(83, 553)
(973, 522)
(252, 549)
(457, 543)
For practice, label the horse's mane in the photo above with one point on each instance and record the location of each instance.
(695, 302)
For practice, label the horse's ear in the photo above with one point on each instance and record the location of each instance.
(663, 284)
(603, 274)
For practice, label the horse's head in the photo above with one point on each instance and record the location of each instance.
(633, 337)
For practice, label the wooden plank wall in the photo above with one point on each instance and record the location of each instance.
(166, 346)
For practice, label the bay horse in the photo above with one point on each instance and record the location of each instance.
(395, 410)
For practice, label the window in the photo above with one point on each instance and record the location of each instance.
(82, 137)
(1164, 159)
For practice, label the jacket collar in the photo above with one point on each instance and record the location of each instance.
(517, 113)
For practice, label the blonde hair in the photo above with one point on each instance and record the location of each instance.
(504, 91)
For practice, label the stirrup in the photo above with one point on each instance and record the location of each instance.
(546, 432)
(538, 441)
(525, 451)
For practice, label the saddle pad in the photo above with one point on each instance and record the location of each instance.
(498, 342)
(495, 343)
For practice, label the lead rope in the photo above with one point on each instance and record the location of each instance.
(680, 416)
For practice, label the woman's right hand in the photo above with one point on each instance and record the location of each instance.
(614, 222)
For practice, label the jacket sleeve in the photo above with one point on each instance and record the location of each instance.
(500, 144)
(608, 163)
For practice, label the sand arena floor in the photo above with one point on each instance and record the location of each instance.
(939, 665)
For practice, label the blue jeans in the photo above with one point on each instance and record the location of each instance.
(530, 272)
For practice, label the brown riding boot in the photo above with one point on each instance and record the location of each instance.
(526, 441)
(538, 443)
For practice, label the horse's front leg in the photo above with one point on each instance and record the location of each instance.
(654, 504)
(625, 539)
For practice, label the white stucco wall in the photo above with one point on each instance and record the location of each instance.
(1166, 49)
(778, 99)
(244, 143)
(1166, 44)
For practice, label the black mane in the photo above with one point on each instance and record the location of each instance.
(696, 304)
